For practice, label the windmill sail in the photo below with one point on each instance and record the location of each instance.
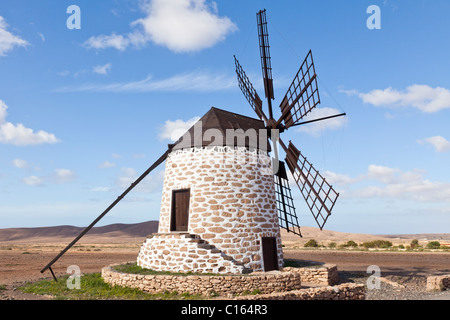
(265, 55)
(285, 203)
(300, 99)
(303, 94)
(318, 194)
(248, 91)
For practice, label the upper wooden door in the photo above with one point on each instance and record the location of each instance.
(180, 210)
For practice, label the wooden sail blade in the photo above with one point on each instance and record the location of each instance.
(249, 92)
(302, 95)
(287, 216)
(317, 192)
(264, 47)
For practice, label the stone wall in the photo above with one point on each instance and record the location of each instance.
(438, 283)
(326, 274)
(232, 200)
(268, 282)
(346, 291)
(183, 252)
(274, 285)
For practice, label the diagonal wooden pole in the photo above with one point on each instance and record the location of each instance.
(86, 230)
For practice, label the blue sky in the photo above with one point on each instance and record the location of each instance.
(83, 112)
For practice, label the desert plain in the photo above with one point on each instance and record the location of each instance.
(24, 252)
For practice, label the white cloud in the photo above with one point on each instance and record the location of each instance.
(152, 183)
(33, 181)
(422, 97)
(340, 179)
(173, 130)
(3, 113)
(41, 36)
(102, 69)
(106, 164)
(118, 42)
(185, 25)
(316, 128)
(180, 25)
(382, 173)
(20, 163)
(63, 73)
(128, 176)
(59, 176)
(439, 143)
(8, 41)
(100, 189)
(391, 183)
(199, 81)
(18, 134)
(64, 175)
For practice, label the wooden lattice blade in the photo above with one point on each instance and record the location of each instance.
(302, 95)
(249, 91)
(287, 215)
(317, 192)
(264, 47)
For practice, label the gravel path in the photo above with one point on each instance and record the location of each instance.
(399, 287)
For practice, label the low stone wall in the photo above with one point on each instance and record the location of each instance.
(346, 291)
(326, 274)
(438, 283)
(268, 282)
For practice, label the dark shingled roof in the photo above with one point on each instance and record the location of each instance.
(223, 128)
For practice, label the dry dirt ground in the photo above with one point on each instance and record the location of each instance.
(20, 263)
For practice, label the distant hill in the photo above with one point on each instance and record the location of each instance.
(139, 231)
(326, 236)
(61, 232)
(421, 236)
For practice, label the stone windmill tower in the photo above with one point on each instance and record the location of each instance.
(218, 210)
(224, 197)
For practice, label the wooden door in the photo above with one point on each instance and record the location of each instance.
(270, 257)
(180, 210)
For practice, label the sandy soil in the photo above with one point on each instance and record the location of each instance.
(390, 263)
(22, 261)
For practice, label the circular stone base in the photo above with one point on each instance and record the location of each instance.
(223, 285)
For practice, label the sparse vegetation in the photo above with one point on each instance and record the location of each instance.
(311, 244)
(348, 244)
(433, 245)
(375, 244)
(247, 293)
(332, 245)
(294, 263)
(383, 244)
(94, 288)
(414, 244)
(135, 269)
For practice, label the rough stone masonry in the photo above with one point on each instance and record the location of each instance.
(232, 207)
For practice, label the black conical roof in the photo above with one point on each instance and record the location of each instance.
(223, 128)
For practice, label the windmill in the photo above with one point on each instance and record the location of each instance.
(260, 247)
(300, 99)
